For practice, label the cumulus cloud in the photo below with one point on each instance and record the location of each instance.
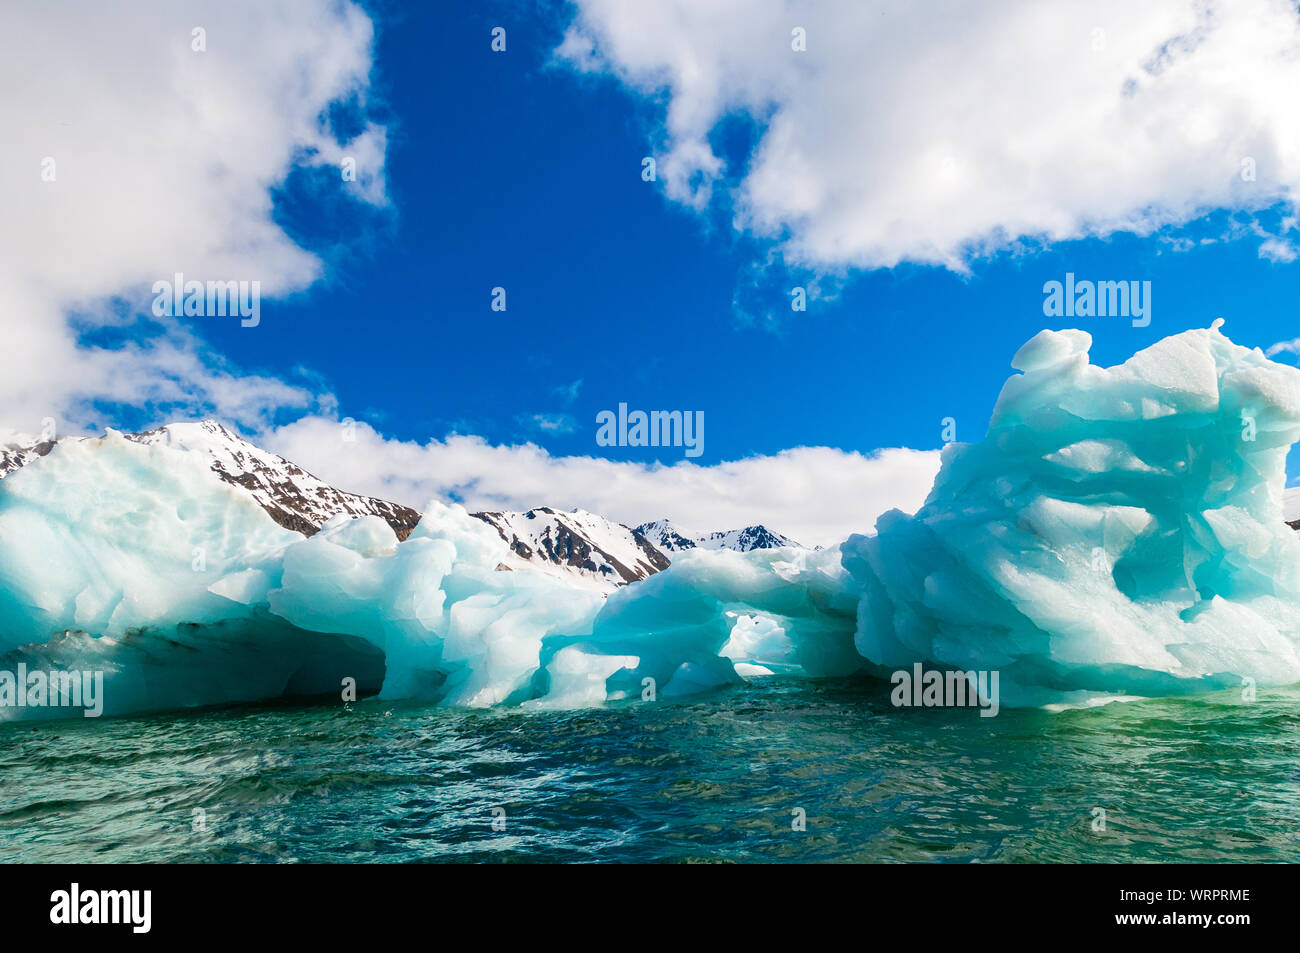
(129, 156)
(939, 132)
(816, 495)
(1277, 250)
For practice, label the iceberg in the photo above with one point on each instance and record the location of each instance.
(1117, 533)
(1118, 530)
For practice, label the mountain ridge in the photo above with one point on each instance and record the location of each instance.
(670, 538)
(576, 544)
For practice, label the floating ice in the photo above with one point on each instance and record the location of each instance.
(1118, 532)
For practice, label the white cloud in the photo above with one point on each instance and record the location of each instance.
(1277, 250)
(937, 132)
(816, 495)
(1284, 347)
(164, 159)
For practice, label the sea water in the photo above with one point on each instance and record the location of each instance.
(780, 770)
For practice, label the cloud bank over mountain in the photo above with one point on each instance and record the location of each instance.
(813, 494)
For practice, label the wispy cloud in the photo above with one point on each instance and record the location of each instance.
(1284, 347)
(567, 393)
(550, 423)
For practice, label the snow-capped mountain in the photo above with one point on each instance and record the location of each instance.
(19, 449)
(664, 535)
(293, 497)
(670, 539)
(743, 540)
(576, 545)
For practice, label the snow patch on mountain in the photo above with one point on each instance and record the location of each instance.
(579, 546)
(295, 499)
(670, 538)
(666, 536)
(19, 449)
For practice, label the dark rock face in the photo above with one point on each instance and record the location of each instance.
(19, 454)
(579, 541)
(294, 498)
(666, 536)
(751, 537)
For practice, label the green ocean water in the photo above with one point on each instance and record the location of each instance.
(721, 777)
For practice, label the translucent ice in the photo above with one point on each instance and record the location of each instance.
(1118, 532)
(138, 562)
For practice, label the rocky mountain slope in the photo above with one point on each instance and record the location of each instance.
(19, 449)
(293, 497)
(669, 538)
(580, 546)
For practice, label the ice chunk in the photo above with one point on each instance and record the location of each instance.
(108, 535)
(1117, 530)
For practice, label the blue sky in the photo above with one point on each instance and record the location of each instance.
(528, 177)
(923, 175)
